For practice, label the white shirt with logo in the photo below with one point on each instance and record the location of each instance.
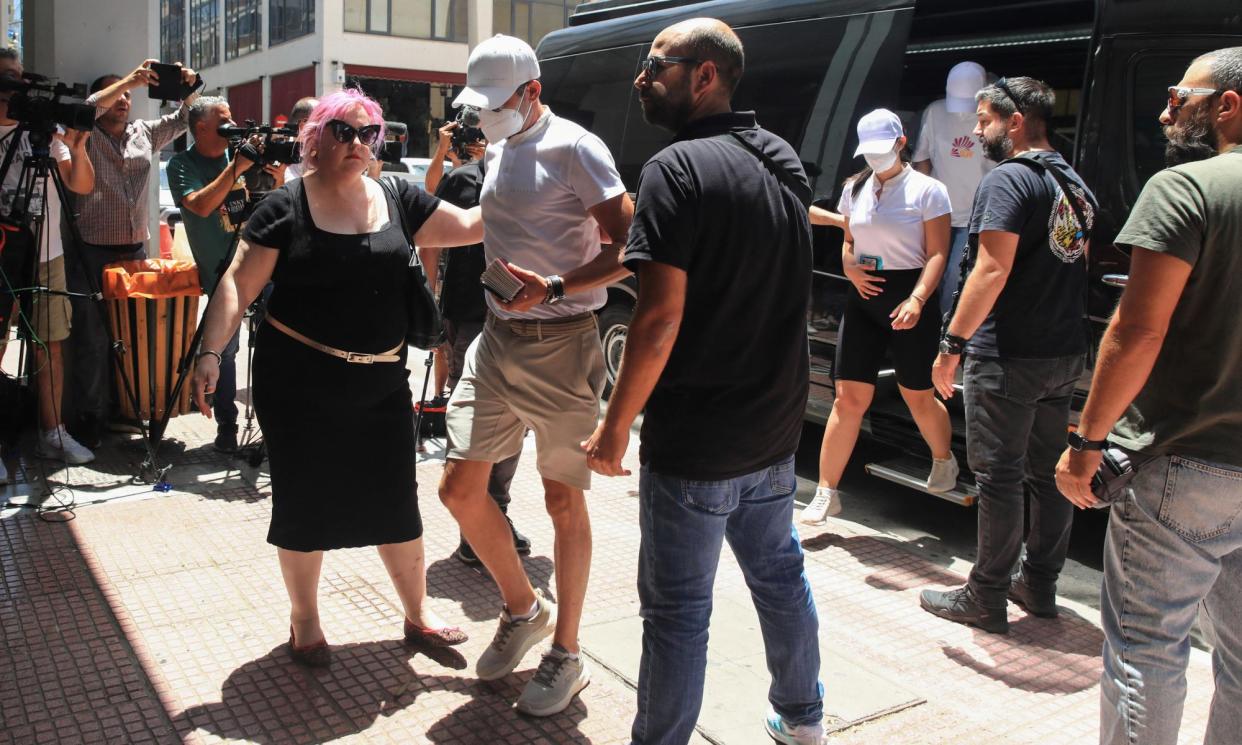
(52, 246)
(889, 224)
(538, 188)
(956, 156)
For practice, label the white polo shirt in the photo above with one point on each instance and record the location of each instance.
(537, 190)
(891, 226)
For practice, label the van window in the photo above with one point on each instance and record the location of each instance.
(1151, 76)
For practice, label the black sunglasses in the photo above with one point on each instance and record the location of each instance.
(345, 134)
(1003, 84)
(652, 65)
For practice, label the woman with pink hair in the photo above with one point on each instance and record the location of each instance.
(330, 384)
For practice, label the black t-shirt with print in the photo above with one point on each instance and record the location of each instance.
(731, 398)
(1041, 312)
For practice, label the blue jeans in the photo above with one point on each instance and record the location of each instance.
(683, 524)
(953, 269)
(1017, 412)
(1174, 551)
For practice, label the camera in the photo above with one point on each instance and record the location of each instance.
(467, 131)
(271, 144)
(393, 149)
(37, 104)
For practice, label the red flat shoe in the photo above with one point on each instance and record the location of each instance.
(312, 655)
(445, 636)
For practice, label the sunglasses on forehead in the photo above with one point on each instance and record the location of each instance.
(345, 133)
(652, 65)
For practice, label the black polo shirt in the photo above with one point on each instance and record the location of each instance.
(731, 398)
(463, 294)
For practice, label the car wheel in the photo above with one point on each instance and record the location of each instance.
(614, 324)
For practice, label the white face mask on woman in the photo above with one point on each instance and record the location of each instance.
(500, 125)
(882, 162)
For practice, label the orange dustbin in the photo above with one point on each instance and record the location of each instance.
(153, 310)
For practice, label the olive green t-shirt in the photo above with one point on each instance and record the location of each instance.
(1192, 403)
(209, 239)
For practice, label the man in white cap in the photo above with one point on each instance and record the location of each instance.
(552, 201)
(948, 150)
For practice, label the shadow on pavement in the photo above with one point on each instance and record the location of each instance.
(1040, 655)
(474, 589)
(899, 568)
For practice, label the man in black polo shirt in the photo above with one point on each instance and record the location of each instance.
(717, 352)
(465, 310)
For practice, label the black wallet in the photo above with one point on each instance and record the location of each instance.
(1112, 477)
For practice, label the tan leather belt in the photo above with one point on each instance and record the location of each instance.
(358, 358)
(541, 327)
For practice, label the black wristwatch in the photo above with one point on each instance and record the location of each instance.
(950, 344)
(1079, 443)
(556, 290)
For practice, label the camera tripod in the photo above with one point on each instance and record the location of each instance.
(251, 447)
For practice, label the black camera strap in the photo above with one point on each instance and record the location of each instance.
(799, 189)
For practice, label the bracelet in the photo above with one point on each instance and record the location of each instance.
(205, 352)
(922, 301)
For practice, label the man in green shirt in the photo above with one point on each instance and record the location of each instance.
(1167, 385)
(202, 179)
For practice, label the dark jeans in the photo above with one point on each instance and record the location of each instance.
(1017, 413)
(225, 406)
(90, 379)
(683, 524)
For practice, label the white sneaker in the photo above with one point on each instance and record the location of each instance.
(827, 502)
(788, 734)
(60, 445)
(943, 476)
(556, 682)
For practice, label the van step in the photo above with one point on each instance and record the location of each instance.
(912, 473)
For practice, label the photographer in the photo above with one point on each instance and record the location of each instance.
(461, 297)
(113, 223)
(201, 180)
(49, 312)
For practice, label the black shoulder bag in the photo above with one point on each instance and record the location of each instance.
(798, 188)
(425, 325)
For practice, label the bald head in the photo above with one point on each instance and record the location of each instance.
(707, 39)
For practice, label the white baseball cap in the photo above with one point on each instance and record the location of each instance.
(496, 69)
(965, 80)
(878, 132)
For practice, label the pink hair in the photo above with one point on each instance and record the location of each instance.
(336, 106)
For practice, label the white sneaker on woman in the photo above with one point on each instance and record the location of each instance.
(60, 445)
(943, 476)
(827, 502)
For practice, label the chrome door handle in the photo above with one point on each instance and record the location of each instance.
(1115, 280)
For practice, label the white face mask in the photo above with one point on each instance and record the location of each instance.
(500, 125)
(882, 162)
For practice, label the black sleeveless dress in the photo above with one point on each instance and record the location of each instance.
(340, 435)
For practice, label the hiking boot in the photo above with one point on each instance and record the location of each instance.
(514, 639)
(556, 682)
(792, 734)
(827, 502)
(1039, 603)
(60, 445)
(961, 606)
(466, 555)
(226, 439)
(943, 476)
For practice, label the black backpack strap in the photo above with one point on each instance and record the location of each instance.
(798, 188)
(1038, 164)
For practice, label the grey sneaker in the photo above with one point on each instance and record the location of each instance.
(943, 476)
(789, 734)
(514, 639)
(556, 682)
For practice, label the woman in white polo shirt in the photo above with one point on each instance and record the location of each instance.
(896, 245)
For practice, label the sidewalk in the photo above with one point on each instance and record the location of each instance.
(161, 618)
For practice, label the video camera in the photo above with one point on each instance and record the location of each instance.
(269, 145)
(37, 104)
(467, 131)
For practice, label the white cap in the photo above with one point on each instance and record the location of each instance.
(965, 80)
(496, 69)
(878, 132)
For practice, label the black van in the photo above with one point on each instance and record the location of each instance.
(813, 67)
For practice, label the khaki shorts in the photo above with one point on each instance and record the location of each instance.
(546, 376)
(50, 314)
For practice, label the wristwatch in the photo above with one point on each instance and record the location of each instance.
(1078, 443)
(950, 344)
(556, 290)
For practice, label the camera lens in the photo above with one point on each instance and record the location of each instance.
(469, 116)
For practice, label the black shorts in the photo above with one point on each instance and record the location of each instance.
(867, 333)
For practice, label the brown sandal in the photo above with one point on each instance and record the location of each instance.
(312, 655)
(445, 636)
